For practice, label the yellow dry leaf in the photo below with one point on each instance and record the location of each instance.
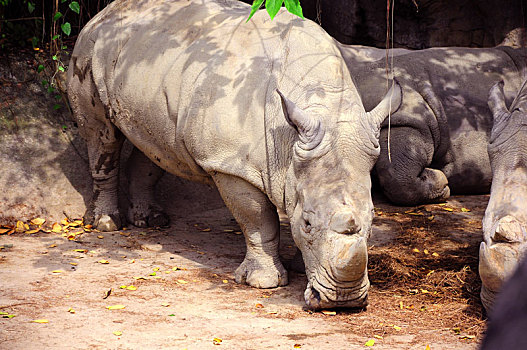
(378, 336)
(435, 254)
(415, 250)
(206, 229)
(397, 328)
(115, 307)
(427, 347)
(431, 217)
(424, 291)
(71, 311)
(117, 333)
(329, 313)
(258, 305)
(272, 313)
(4, 230)
(182, 282)
(370, 342)
(131, 287)
(139, 278)
(237, 232)
(64, 222)
(100, 237)
(73, 263)
(20, 227)
(167, 271)
(126, 234)
(80, 250)
(132, 261)
(228, 230)
(401, 305)
(466, 336)
(465, 210)
(57, 271)
(297, 346)
(103, 261)
(52, 246)
(165, 304)
(122, 287)
(155, 269)
(32, 231)
(37, 221)
(425, 251)
(225, 281)
(217, 341)
(430, 272)
(448, 209)
(56, 228)
(40, 321)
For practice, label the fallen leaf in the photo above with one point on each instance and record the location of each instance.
(73, 263)
(56, 228)
(40, 321)
(132, 261)
(258, 305)
(115, 307)
(139, 278)
(427, 347)
(182, 282)
(431, 217)
(297, 346)
(329, 313)
(378, 336)
(165, 304)
(117, 333)
(456, 330)
(171, 315)
(71, 311)
(430, 272)
(216, 341)
(228, 230)
(80, 250)
(122, 287)
(6, 315)
(401, 305)
(107, 293)
(465, 210)
(425, 251)
(103, 261)
(52, 246)
(413, 291)
(57, 271)
(370, 342)
(424, 291)
(448, 209)
(415, 250)
(272, 312)
(32, 231)
(126, 234)
(155, 269)
(100, 237)
(64, 222)
(153, 274)
(37, 221)
(466, 336)
(206, 229)
(131, 288)
(20, 226)
(237, 232)
(225, 281)
(397, 328)
(4, 230)
(435, 254)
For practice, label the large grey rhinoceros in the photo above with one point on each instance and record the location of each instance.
(505, 221)
(265, 110)
(438, 138)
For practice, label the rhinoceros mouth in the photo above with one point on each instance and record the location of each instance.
(320, 295)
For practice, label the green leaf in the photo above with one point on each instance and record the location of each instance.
(55, 37)
(40, 68)
(60, 68)
(294, 7)
(51, 89)
(30, 7)
(74, 6)
(255, 6)
(44, 82)
(64, 47)
(66, 28)
(58, 97)
(171, 315)
(55, 57)
(57, 16)
(273, 6)
(63, 1)
(56, 106)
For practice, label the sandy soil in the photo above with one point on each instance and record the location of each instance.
(44, 275)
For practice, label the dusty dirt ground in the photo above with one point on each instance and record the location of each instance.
(423, 261)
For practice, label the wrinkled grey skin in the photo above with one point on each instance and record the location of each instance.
(505, 221)
(439, 136)
(265, 110)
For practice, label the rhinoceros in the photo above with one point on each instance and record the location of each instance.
(505, 221)
(265, 110)
(438, 138)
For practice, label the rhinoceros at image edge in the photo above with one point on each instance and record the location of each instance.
(505, 221)
(265, 110)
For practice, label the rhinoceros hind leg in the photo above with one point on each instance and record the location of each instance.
(259, 221)
(406, 178)
(104, 143)
(143, 175)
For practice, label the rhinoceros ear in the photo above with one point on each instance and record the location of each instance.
(308, 128)
(389, 105)
(496, 100)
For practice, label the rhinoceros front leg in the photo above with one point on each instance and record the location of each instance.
(143, 175)
(406, 179)
(104, 143)
(259, 222)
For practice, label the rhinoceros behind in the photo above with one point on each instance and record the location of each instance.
(265, 110)
(505, 221)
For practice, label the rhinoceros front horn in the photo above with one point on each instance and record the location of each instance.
(496, 100)
(351, 260)
(309, 129)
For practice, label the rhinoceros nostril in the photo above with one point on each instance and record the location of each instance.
(344, 223)
(315, 295)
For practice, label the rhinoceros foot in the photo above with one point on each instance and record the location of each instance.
(108, 222)
(259, 275)
(147, 216)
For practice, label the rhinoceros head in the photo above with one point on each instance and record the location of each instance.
(330, 206)
(505, 220)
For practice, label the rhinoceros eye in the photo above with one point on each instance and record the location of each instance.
(307, 226)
